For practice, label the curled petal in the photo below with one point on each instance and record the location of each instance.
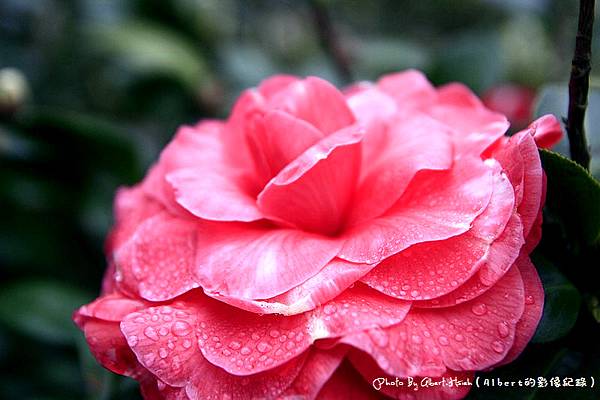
(437, 205)
(468, 337)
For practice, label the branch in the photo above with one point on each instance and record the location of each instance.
(330, 41)
(579, 84)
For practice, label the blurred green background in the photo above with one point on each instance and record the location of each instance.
(91, 90)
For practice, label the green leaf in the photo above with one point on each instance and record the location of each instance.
(41, 309)
(573, 196)
(149, 49)
(561, 304)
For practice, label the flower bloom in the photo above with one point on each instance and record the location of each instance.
(318, 243)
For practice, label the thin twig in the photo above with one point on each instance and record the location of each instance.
(579, 84)
(330, 41)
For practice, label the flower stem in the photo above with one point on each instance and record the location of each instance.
(329, 40)
(579, 84)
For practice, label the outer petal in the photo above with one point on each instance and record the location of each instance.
(437, 205)
(192, 146)
(99, 322)
(113, 308)
(411, 145)
(158, 261)
(534, 305)
(475, 126)
(201, 180)
(317, 370)
(356, 309)
(332, 280)
(165, 342)
(432, 269)
(314, 191)
(245, 343)
(132, 207)
(450, 386)
(468, 337)
(548, 131)
(256, 262)
(410, 90)
(496, 262)
(346, 383)
(520, 158)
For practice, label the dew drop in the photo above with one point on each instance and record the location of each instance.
(498, 346)
(414, 293)
(459, 338)
(226, 352)
(479, 309)
(149, 359)
(290, 345)
(329, 309)
(181, 328)
(503, 329)
(274, 333)
(154, 318)
(187, 344)
(163, 331)
(263, 347)
(132, 341)
(417, 339)
(163, 353)
(380, 337)
(255, 336)
(245, 351)
(529, 299)
(150, 333)
(235, 345)
(443, 340)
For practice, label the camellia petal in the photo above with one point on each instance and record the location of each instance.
(468, 337)
(421, 271)
(328, 283)
(314, 191)
(437, 205)
(256, 261)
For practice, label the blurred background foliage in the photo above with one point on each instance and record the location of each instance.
(91, 90)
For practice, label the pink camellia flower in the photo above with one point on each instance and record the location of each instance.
(331, 245)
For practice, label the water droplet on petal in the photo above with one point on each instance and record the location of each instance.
(459, 338)
(150, 333)
(479, 309)
(529, 300)
(290, 345)
(245, 351)
(263, 347)
(149, 359)
(163, 353)
(503, 329)
(181, 328)
(417, 339)
(187, 344)
(443, 340)
(274, 333)
(414, 293)
(235, 345)
(132, 341)
(498, 346)
(329, 309)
